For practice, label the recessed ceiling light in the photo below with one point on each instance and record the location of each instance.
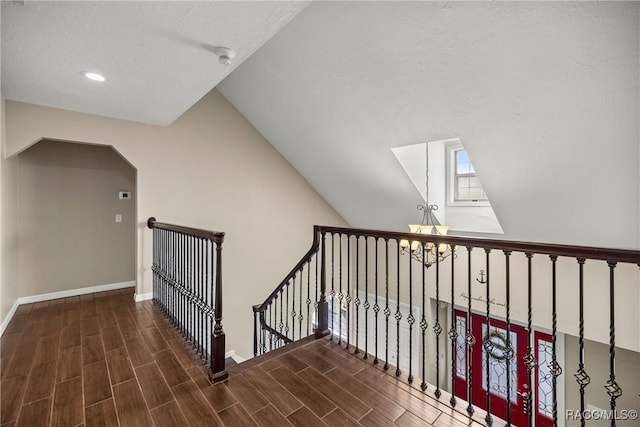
(94, 76)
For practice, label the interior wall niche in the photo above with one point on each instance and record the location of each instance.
(69, 204)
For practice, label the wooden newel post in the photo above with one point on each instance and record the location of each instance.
(322, 328)
(217, 370)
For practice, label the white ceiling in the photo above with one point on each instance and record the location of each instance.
(545, 95)
(156, 55)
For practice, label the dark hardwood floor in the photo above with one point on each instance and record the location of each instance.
(103, 360)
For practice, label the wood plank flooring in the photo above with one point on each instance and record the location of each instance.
(103, 360)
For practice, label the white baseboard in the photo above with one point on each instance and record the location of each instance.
(8, 317)
(75, 292)
(62, 294)
(232, 354)
(142, 297)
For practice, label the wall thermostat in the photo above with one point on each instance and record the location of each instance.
(124, 195)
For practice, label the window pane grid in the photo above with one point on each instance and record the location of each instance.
(467, 186)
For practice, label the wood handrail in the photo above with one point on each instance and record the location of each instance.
(575, 251)
(216, 236)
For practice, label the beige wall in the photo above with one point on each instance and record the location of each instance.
(8, 229)
(67, 202)
(209, 169)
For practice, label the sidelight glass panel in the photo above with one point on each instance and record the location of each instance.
(545, 378)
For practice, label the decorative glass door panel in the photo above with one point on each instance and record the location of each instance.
(503, 353)
(498, 363)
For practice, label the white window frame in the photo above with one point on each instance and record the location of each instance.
(450, 149)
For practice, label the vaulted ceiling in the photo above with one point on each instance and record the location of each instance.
(543, 95)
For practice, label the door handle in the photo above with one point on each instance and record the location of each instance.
(526, 401)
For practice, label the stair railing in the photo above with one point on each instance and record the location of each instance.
(276, 318)
(408, 301)
(187, 286)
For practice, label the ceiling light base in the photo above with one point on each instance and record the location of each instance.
(224, 54)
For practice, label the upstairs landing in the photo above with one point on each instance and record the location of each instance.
(319, 383)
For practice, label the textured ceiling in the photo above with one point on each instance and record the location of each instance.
(156, 55)
(543, 94)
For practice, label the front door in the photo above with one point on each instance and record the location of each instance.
(495, 380)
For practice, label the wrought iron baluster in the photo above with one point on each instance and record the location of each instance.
(168, 273)
(175, 278)
(410, 321)
(347, 298)
(163, 284)
(293, 308)
(300, 316)
(530, 358)
(487, 344)
(200, 251)
(211, 299)
(255, 333)
(437, 328)
(189, 288)
(157, 277)
(315, 304)
(340, 296)
(185, 283)
(190, 299)
(581, 375)
(286, 315)
(192, 307)
(376, 307)
(154, 263)
(366, 298)
(509, 352)
(469, 339)
(168, 256)
(398, 315)
(613, 389)
(423, 322)
(194, 282)
(271, 321)
(207, 292)
(308, 301)
(555, 368)
(333, 288)
(387, 311)
(180, 280)
(281, 324)
(203, 280)
(323, 312)
(453, 333)
(186, 286)
(356, 300)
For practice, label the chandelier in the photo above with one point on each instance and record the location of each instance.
(426, 253)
